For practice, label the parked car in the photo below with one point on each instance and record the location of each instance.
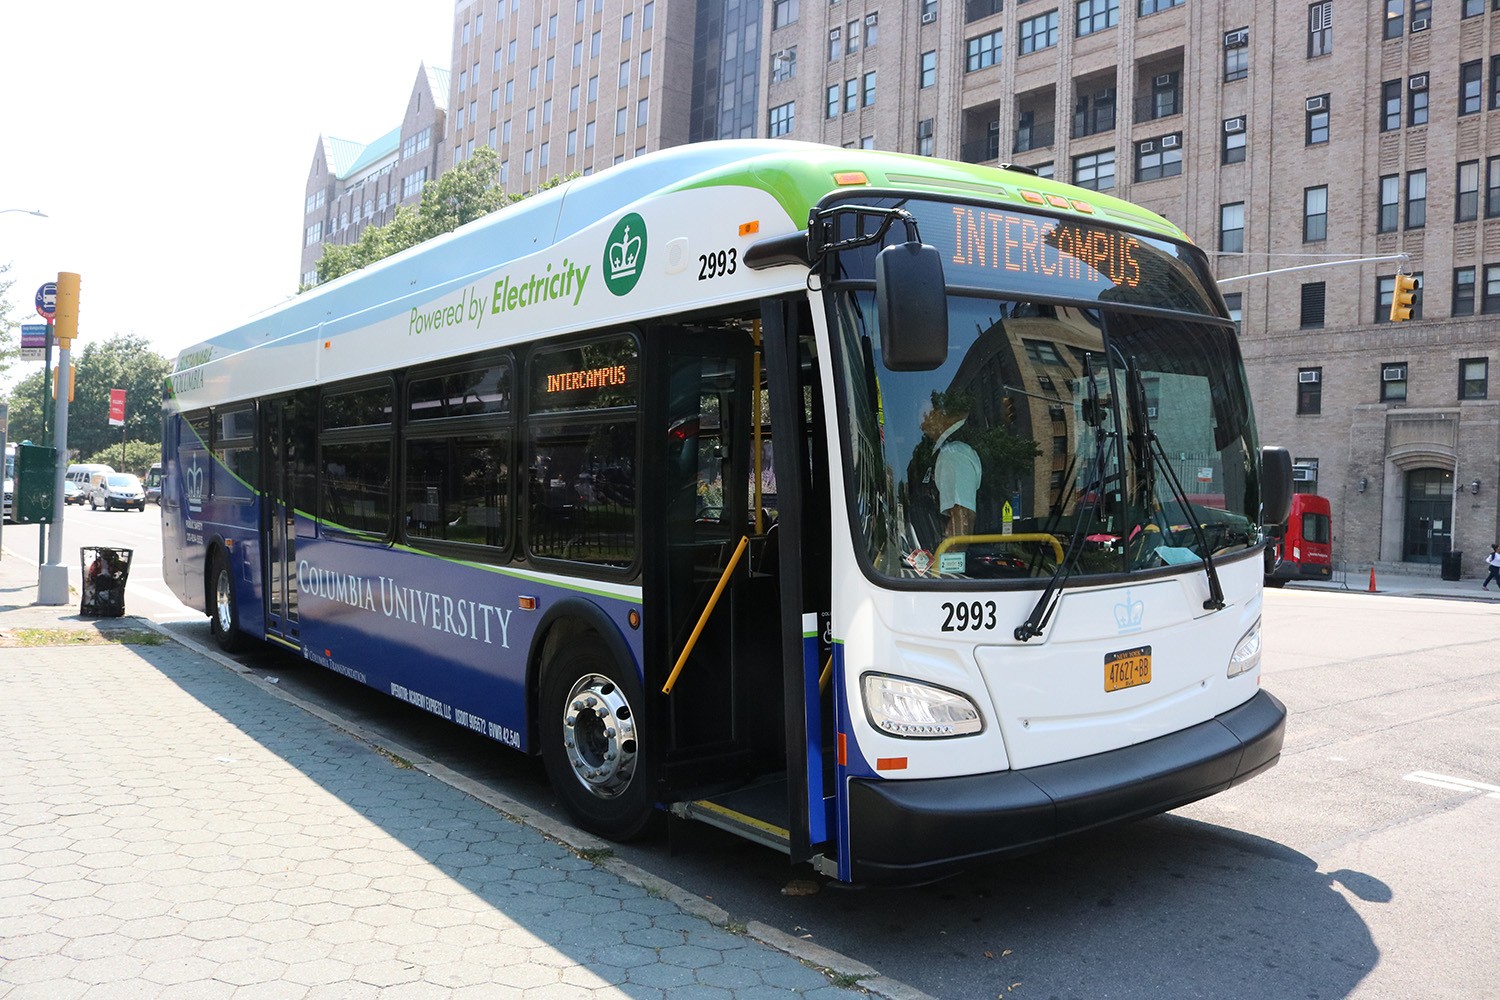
(153, 484)
(73, 493)
(117, 489)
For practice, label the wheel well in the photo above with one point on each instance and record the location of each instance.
(568, 621)
(216, 549)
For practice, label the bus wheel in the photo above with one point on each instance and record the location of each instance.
(224, 614)
(591, 744)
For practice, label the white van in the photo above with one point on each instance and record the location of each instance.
(83, 474)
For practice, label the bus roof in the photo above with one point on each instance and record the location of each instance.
(791, 176)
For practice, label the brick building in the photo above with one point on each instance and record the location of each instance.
(1279, 136)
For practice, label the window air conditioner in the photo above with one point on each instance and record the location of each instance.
(1393, 374)
(1317, 103)
(1306, 377)
(1165, 80)
(1420, 24)
(929, 17)
(1151, 412)
(1234, 125)
(1418, 82)
(1234, 39)
(1149, 146)
(1171, 141)
(1302, 474)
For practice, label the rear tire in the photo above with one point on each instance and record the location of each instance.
(591, 741)
(223, 611)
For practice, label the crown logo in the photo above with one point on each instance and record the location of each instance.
(1129, 614)
(194, 478)
(624, 255)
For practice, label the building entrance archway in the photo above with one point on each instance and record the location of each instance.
(1428, 532)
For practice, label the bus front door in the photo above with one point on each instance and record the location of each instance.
(284, 428)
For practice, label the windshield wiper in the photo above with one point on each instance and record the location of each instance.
(1154, 448)
(1052, 593)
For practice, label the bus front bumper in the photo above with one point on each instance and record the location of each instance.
(910, 831)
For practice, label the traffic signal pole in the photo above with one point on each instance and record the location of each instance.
(52, 576)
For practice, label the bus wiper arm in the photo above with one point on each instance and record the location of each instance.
(1215, 600)
(1052, 593)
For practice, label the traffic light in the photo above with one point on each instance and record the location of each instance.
(65, 316)
(1403, 297)
(1008, 411)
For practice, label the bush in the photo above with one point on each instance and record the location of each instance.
(139, 457)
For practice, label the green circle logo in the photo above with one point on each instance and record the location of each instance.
(625, 254)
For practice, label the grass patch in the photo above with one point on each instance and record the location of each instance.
(81, 637)
(594, 855)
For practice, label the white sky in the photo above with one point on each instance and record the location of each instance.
(169, 143)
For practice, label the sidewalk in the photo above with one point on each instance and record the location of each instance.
(172, 826)
(1403, 585)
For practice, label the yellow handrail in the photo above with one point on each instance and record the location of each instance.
(1039, 536)
(713, 601)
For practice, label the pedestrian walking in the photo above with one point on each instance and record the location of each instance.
(1494, 560)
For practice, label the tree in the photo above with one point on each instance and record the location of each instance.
(138, 457)
(467, 192)
(9, 346)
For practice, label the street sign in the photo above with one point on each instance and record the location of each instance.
(117, 407)
(33, 341)
(46, 300)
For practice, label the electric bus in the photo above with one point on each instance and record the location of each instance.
(895, 513)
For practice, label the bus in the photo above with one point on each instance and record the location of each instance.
(897, 514)
(1305, 549)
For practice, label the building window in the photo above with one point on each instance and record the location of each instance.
(1472, 8)
(1317, 119)
(1393, 382)
(1416, 199)
(1466, 203)
(1385, 291)
(1233, 150)
(1314, 214)
(872, 29)
(853, 35)
(1155, 6)
(1495, 80)
(642, 111)
(1492, 187)
(1095, 171)
(1039, 32)
(1471, 87)
(1416, 111)
(1474, 378)
(1158, 158)
(835, 44)
(1463, 291)
(1232, 228)
(851, 94)
(929, 68)
(1237, 55)
(1314, 293)
(833, 101)
(1320, 29)
(984, 51)
(1234, 302)
(1096, 15)
(1390, 105)
(783, 13)
(1390, 202)
(1490, 303)
(783, 118)
(1395, 18)
(924, 137)
(869, 95)
(1309, 391)
(783, 64)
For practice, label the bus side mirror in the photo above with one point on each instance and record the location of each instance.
(1275, 486)
(911, 304)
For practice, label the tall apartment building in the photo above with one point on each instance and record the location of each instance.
(1278, 135)
(352, 185)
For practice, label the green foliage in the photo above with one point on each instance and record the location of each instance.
(10, 343)
(122, 362)
(467, 192)
(138, 457)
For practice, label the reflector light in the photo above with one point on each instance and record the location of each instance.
(1033, 197)
(1083, 206)
(1057, 201)
(890, 763)
(749, 228)
(843, 750)
(850, 177)
(527, 603)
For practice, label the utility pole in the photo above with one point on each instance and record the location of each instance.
(52, 576)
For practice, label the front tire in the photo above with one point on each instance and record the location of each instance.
(591, 741)
(224, 611)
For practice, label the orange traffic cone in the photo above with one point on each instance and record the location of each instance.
(1372, 579)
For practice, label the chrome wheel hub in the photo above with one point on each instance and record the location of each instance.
(599, 735)
(222, 606)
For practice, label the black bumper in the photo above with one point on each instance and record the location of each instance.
(1287, 570)
(909, 831)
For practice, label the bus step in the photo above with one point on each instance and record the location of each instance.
(757, 813)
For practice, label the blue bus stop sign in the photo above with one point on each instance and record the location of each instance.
(46, 301)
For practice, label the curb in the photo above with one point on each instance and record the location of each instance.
(827, 961)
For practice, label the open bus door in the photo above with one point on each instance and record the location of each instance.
(742, 723)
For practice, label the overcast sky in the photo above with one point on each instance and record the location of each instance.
(169, 144)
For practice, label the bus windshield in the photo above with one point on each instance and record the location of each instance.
(1031, 449)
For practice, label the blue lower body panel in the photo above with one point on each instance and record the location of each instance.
(908, 831)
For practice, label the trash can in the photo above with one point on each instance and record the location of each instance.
(1452, 565)
(104, 575)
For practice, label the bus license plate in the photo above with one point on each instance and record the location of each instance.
(1127, 668)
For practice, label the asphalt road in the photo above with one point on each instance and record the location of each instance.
(1358, 867)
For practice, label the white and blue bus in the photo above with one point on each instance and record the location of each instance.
(894, 512)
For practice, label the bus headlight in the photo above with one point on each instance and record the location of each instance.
(1246, 654)
(906, 708)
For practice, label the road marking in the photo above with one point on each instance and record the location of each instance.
(1454, 784)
